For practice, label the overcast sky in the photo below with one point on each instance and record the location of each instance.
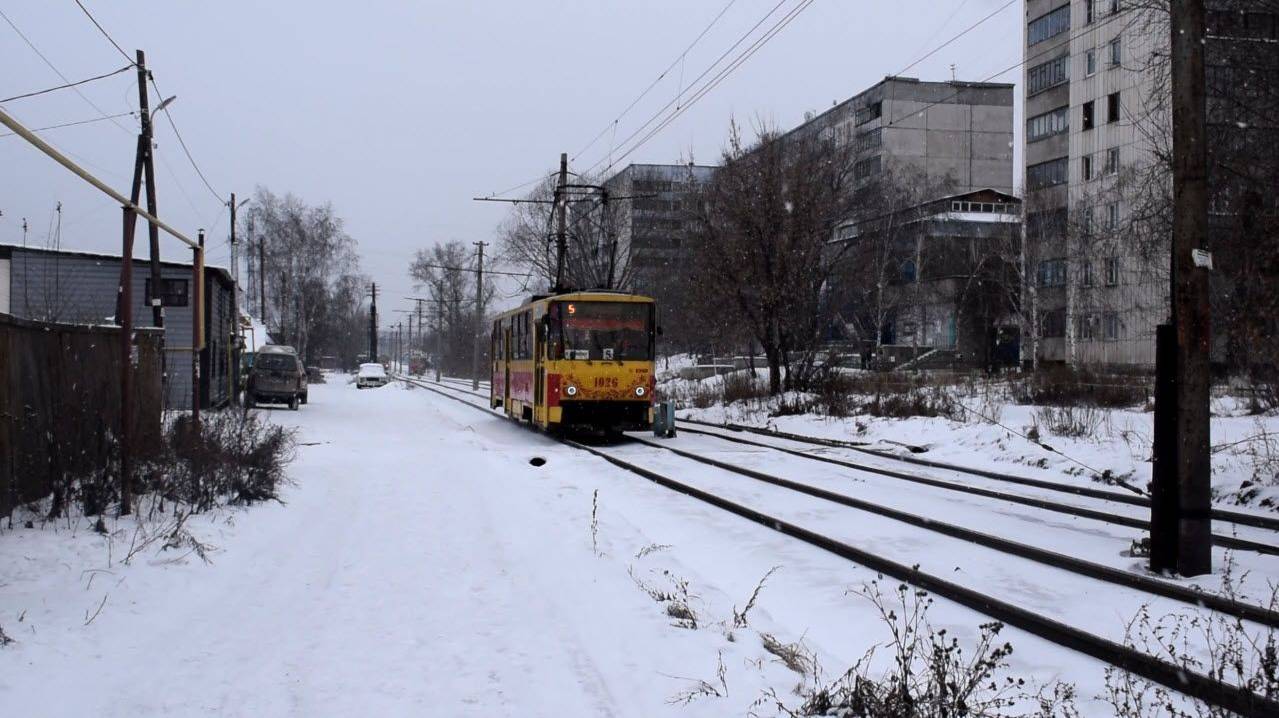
(398, 112)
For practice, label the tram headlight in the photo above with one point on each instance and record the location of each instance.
(570, 390)
(639, 391)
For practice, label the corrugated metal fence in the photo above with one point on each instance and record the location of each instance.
(60, 403)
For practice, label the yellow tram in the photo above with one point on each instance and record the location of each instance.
(576, 360)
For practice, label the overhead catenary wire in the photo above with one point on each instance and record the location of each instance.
(679, 107)
(713, 82)
(675, 100)
(58, 72)
(659, 78)
(67, 85)
(104, 32)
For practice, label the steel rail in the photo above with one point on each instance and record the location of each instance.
(1054, 559)
(1235, 517)
(1196, 685)
(1222, 540)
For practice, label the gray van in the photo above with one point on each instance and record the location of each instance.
(277, 377)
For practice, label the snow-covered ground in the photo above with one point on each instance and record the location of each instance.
(993, 435)
(421, 565)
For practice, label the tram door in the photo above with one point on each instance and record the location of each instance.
(539, 367)
(506, 366)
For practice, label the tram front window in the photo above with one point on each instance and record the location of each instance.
(601, 331)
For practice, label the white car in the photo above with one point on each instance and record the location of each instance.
(370, 375)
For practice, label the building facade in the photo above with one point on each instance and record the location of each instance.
(82, 288)
(648, 222)
(942, 277)
(1097, 143)
(954, 134)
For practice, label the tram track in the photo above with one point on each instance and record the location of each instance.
(1218, 515)
(1139, 663)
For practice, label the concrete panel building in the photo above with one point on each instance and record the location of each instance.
(959, 133)
(82, 287)
(1096, 122)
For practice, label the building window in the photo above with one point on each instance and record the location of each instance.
(1085, 274)
(1088, 326)
(908, 271)
(1047, 174)
(1054, 324)
(1048, 75)
(1112, 271)
(1085, 167)
(1048, 124)
(1052, 273)
(1085, 221)
(871, 140)
(1089, 11)
(1112, 161)
(867, 167)
(173, 292)
(1112, 216)
(1089, 117)
(1110, 325)
(1050, 24)
(1090, 63)
(1112, 107)
(1114, 6)
(869, 112)
(1115, 55)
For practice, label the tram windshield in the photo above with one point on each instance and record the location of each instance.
(601, 331)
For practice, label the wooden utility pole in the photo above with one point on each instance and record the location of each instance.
(148, 159)
(262, 279)
(126, 364)
(439, 338)
(561, 223)
(197, 326)
(479, 318)
(233, 353)
(1183, 469)
(373, 327)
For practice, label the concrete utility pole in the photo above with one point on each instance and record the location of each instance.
(561, 223)
(262, 279)
(479, 318)
(1181, 523)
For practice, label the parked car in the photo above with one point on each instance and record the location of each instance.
(277, 377)
(370, 375)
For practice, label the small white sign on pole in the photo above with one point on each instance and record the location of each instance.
(1202, 258)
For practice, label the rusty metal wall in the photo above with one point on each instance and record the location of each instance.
(60, 403)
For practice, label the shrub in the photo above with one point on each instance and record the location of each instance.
(743, 386)
(1071, 386)
(932, 401)
(1070, 421)
(235, 456)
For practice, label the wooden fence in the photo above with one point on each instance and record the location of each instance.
(60, 404)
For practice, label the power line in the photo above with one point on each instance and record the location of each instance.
(1091, 28)
(677, 97)
(63, 87)
(105, 34)
(967, 30)
(58, 72)
(713, 82)
(469, 269)
(168, 114)
(653, 84)
(73, 124)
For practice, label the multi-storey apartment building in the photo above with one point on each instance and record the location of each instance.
(647, 221)
(1096, 188)
(958, 134)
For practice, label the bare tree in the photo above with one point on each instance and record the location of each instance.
(447, 272)
(760, 238)
(314, 288)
